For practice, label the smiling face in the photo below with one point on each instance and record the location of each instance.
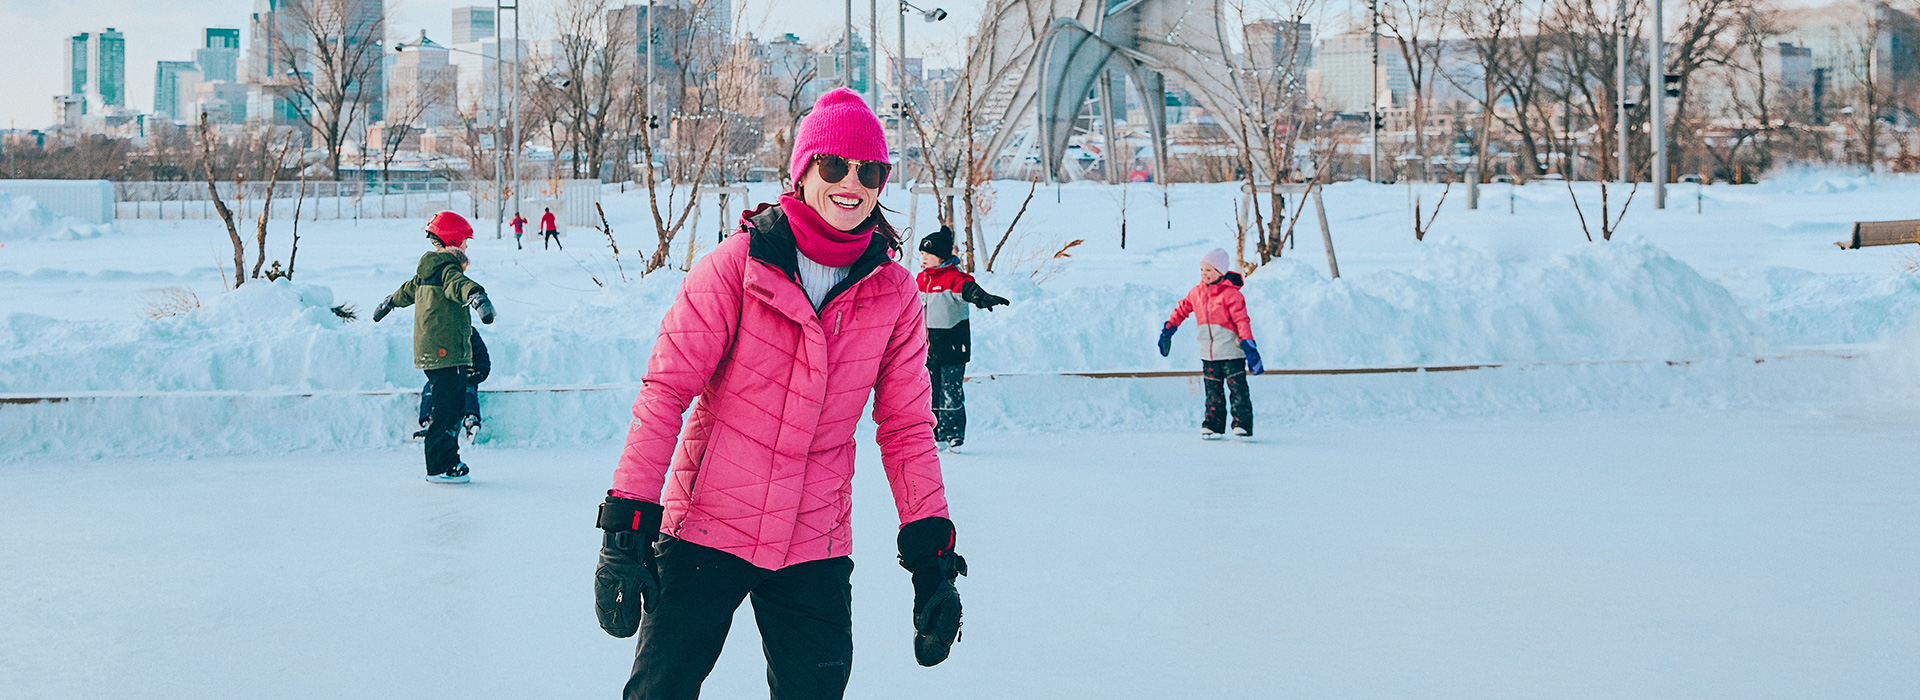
(844, 204)
(1208, 275)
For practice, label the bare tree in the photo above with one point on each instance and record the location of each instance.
(329, 67)
(213, 191)
(698, 122)
(594, 74)
(1584, 65)
(1416, 26)
(274, 147)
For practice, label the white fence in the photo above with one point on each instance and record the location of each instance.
(571, 200)
(88, 200)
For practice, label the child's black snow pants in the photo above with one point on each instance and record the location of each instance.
(804, 611)
(449, 388)
(1233, 374)
(949, 402)
(470, 406)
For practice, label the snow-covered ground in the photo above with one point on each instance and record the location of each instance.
(1753, 276)
(1647, 555)
(1689, 474)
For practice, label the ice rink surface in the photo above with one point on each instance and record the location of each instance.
(1748, 554)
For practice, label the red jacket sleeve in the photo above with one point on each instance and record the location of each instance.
(694, 337)
(1184, 309)
(903, 412)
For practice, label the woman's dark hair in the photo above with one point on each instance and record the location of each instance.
(884, 227)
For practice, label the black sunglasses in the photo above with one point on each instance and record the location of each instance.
(834, 168)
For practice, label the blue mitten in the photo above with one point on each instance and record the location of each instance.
(1166, 338)
(1253, 357)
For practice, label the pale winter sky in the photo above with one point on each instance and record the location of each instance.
(169, 30)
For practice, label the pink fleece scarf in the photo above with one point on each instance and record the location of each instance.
(819, 240)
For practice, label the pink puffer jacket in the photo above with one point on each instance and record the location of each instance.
(764, 467)
(1220, 311)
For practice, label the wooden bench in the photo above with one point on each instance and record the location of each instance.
(1871, 233)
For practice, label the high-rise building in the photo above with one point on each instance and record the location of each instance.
(1286, 46)
(477, 67)
(174, 83)
(223, 102)
(222, 38)
(110, 68)
(420, 90)
(220, 58)
(278, 53)
(79, 51)
(473, 23)
(1348, 80)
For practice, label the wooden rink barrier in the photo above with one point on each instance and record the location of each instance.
(64, 397)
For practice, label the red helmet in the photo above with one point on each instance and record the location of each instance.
(450, 228)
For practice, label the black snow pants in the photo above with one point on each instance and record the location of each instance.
(1233, 374)
(550, 238)
(804, 612)
(949, 402)
(470, 406)
(449, 388)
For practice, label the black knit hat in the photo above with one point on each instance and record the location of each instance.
(939, 243)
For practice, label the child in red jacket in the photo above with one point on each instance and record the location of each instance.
(1227, 351)
(945, 292)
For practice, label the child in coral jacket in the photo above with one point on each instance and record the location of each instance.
(1227, 351)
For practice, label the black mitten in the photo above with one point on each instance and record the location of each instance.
(973, 294)
(381, 311)
(626, 583)
(926, 549)
(480, 303)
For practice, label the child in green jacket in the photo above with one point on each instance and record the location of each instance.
(442, 332)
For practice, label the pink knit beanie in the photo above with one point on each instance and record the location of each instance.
(840, 124)
(1218, 259)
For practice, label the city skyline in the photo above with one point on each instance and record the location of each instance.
(171, 30)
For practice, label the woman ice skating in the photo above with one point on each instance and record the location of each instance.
(470, 404)
(549, 230)
(442, 336)
(783, 332)
(945, 292)
(1227, 351)
(519, 227)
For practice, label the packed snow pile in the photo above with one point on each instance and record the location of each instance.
(21, 218)
(1603, 302)
(1710, 284)
(1623, 301)
(264, 335)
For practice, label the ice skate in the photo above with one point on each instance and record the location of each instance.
(1210, 435)
(456, 475)
(470, 425)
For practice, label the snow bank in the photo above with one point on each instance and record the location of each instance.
(1797, 307)
(22, 218)
(1599, 302)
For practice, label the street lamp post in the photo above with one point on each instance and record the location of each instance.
(900, 77)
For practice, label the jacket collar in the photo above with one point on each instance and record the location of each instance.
(771, 241)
